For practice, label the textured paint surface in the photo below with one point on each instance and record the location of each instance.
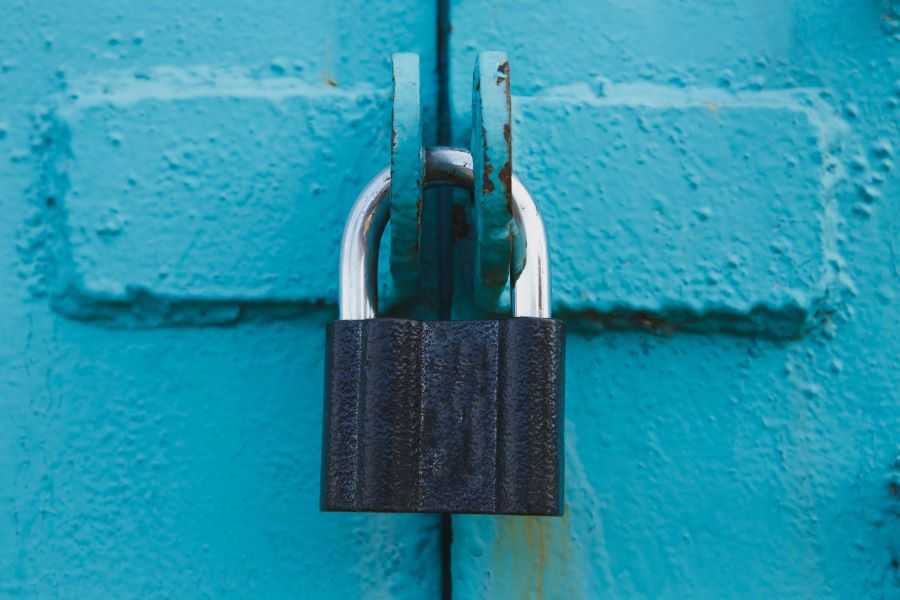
(719, 185)
(118, 175)
(706, 209)
(172, 182)
(180, 171)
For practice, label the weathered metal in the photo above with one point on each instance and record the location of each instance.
(442, 416)
(491, 208)
(407, 171)
(530, 286)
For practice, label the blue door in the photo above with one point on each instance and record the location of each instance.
(719, 187)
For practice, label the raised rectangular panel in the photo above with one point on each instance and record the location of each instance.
(673, 209)
(192, 195)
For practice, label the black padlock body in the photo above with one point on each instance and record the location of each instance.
(444, 416)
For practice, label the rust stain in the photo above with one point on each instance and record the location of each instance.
(503, 76)
(505, 68)
(460, 223)
(537, 553)
(486, 183)
(493, 276)
(506, 171)
(505, 176)
(625, 319)
(645, 320)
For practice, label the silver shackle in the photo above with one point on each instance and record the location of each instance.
(443, 166)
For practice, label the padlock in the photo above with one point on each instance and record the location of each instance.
(443, 416)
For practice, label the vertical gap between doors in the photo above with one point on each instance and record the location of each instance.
(445, 240)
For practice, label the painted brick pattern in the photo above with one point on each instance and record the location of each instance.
(708, 169)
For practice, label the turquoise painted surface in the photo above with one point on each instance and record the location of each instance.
(173, 181)
(407, 176)
(719, 185)
(491, 144)
(720, 190)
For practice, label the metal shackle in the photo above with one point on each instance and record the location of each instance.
(530, 288)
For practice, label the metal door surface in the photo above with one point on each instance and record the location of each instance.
(719, 187)
(174, 181)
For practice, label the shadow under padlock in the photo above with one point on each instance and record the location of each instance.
(443, 416)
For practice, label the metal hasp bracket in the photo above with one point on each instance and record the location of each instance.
(490, 207)
(407, 171)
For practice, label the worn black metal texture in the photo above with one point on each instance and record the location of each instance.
(444, 416)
